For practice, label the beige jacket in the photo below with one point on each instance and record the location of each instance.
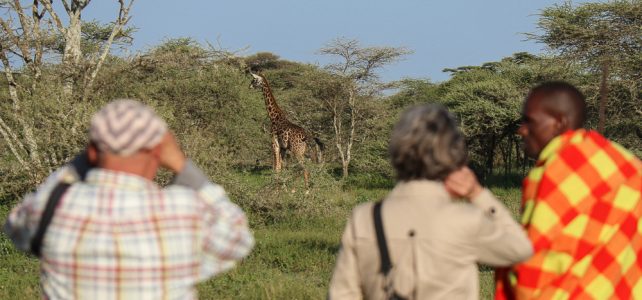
(438, 261)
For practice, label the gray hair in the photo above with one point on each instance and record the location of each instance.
(426, 144)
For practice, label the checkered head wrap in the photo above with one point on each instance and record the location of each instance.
(125, 126)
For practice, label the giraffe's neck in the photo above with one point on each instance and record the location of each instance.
(274, 112)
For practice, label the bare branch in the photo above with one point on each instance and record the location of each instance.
(359, 63)
(220, 52)
(5, 130)
(35, 13)
(78, 5)
(37, 37)
(8, 72)
(121, 21)
(85, 3)
(26, 26)
(346, 49)
(7, 135)
(16, 40)
(14, 52)
(66, 6)
(121, 10)
(54, 15)
(13, 137)
(357, 68)
(13, 94)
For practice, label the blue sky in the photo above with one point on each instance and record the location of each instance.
(442, 34)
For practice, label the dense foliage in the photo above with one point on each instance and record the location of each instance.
(203, 93)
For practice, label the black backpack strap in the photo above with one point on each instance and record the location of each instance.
(47, 216)
(386, 264)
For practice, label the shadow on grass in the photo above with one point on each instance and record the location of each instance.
(374, 180)
(295, 252)
(253, 169)
(356, 179)
(506, 181)
(363, 180)
(321, 245)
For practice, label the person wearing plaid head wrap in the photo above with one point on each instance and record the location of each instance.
(582, 207)
(126, 136)
(115, 234)
(125, 126)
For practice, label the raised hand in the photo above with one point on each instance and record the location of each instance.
(463, 183)
(171, 155)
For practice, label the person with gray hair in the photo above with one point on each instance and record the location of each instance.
(419, 242)
(104, 230)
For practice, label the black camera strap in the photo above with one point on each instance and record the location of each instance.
(386, 264)
(47, 216)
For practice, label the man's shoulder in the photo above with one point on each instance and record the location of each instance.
(175, 190)
(596, 150)
(208, 192)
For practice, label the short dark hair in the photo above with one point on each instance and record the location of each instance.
(426, 144)
(573, 105)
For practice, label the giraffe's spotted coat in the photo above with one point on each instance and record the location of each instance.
(286, 136)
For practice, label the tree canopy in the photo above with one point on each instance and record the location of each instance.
(605, 37)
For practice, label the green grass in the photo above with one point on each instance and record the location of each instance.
(297, 238)
(19, 272)
(289, 261)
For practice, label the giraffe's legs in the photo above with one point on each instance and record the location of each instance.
(276, 153)
(284, 161)
(306, 179)
(300, 157)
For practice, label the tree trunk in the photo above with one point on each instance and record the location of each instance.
(12, 140)
(38, 51)
(508, 155)
(604, 93)
(123, 18)
(353, 119)
(344, 168)
(520, 159)
(72, 53)
(337, 124)
(27, 130)
(490, 155)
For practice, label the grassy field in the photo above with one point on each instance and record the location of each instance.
(295, 247)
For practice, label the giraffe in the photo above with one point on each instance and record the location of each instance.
(286, 136)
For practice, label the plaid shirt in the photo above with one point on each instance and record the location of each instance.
(119, 236)
(583, 213)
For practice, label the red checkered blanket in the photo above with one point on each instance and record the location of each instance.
(583, 212)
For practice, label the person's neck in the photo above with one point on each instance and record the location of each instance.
(140, 166)
(554, 144)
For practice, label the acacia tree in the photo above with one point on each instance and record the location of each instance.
(21, 42)
(72, 34)
(606, 37)
(488, 100)
(357, 66)
(29, 32)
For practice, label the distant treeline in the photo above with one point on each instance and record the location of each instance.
(203, 93)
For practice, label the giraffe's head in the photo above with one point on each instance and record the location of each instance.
(258, 81)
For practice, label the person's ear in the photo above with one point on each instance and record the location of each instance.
(92, 154)
(563, 123)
